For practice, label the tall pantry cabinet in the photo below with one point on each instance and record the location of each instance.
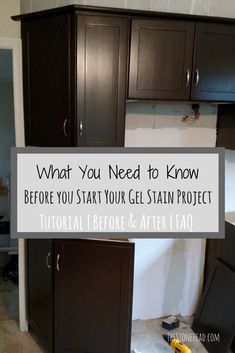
(74, 73)
(75, 70)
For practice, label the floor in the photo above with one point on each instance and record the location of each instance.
(11, 340)
(146, 335)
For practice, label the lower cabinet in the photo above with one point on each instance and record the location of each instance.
(85, 297)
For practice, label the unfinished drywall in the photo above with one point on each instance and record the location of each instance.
(168, 273)
(224, 8)
(9, 28)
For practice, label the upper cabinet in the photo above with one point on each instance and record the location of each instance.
(75, 79)
(77, 61)
(166, 64)
(214, 63)
(102, 52)
(161, 59)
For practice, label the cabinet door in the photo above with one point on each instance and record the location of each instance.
(46, 75)
(161, 59)
(222, 249)
(102, 46)
(214, 64)
(40, 290)
(93, 296)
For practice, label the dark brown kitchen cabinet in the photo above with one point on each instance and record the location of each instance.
(47, 79)
(93, 296)
(165, 63)
(214, 64)
(40, 290)
(102, 47)
(75, 79)
(80, 294)
(222, 250)
(75, 70)
(161, 59)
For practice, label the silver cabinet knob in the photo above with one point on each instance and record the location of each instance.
(197, 77)
(187, 77)
(80, 128)
(65, 127)
(58, 263)
(47, 260)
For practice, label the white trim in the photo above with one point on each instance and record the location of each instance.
(15, 45)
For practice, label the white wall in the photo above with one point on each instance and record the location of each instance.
(202, 7)
(168, 273)
(9, 28)
(168, 277)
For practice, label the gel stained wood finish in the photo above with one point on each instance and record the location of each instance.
(168, 64)
(80, 294)
(75, 70)
(215, 317)
(93, 296)
(80, 64)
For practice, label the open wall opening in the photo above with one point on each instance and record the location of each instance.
(8, 246)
